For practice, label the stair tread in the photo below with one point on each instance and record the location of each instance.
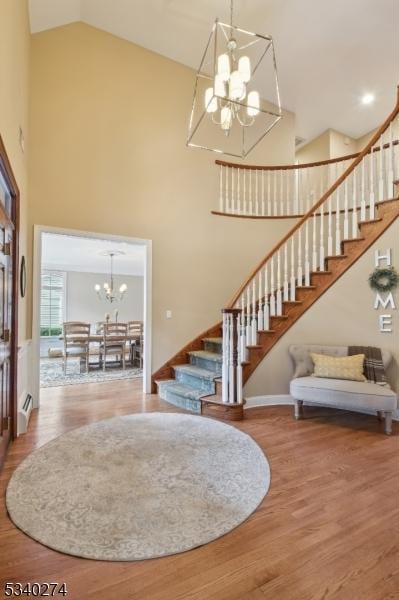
(332, 256)
(320, 272)
(205, 354)
(195, 371)
(358, 239)
(180, 389)
(162, 381)
(213, 340)
(376, 220)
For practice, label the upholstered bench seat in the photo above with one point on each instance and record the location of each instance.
(341, 393)
(338, 393)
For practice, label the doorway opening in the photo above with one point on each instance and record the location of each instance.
(92, 309)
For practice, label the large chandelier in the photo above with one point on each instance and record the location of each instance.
(236, 97)
(109, 292)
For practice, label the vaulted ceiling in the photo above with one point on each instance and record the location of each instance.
(329, 53)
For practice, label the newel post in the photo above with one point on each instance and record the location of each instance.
(231, 367)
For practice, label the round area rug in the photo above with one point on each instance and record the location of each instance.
(139, 486)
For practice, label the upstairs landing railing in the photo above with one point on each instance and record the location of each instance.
(351, 199)
(289, 191)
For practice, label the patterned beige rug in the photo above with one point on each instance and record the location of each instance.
(138, 486)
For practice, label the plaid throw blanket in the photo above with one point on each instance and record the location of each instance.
(374, 370)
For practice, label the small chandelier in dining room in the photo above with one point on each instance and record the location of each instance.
(109, 292)
(236, 96)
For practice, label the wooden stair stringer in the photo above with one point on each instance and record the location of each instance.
(353, 251)
(180, 358)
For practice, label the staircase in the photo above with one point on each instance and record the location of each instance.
(207, 375)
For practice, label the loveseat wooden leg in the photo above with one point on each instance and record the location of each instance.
(298, 409)
(388, 422)
(380, 415)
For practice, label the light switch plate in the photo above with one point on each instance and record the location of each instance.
(168, 314)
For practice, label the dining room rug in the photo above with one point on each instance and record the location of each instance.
(138, 486)
(52, 373)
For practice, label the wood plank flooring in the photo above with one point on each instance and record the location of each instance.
(328, 529)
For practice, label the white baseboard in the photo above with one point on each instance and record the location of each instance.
(255, 401)
(24, 386)
(287, 400)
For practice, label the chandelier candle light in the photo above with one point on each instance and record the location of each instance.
(110, 294)
(237, 69)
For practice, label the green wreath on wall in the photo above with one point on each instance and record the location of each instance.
(384, 279)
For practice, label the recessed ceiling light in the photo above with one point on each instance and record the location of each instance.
(368, 99)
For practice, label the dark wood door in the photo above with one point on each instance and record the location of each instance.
(9, 199)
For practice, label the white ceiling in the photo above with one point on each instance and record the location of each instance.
(70, 253)
(329, 53)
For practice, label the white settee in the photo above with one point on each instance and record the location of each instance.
(338, 393)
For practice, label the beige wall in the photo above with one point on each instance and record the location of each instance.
(352, 319)
(82, 303)
(315, 150)
(332, 144)
(341, 144)
(108, 129)
(14, 67)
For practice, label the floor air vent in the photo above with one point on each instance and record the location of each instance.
(24, 414)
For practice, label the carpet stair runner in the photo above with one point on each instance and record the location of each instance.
(195, 380)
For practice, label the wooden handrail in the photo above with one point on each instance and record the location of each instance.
(324, 197)
(319, 163)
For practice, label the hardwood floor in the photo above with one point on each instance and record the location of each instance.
(327, 529)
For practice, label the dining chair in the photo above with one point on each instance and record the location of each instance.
(136, 340)
(114, 342)
(76, 342)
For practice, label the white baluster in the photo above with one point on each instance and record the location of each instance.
(227, 190)
(322, 265)
(245, 192)
(381, 171)
(346, 210)
(239, 365)
(295, 208)
(272, 300)
(231, 360)
(221, 209)
(355, 228)
(274, 192)
(307, 262)
(260, 302)
(337, 224)
(226, 355)
(363, 193)
(269, 195)
(300, 191)
(263, 193)
(391, 162)
(286, 291)
(292, 279)
(279, 295)
(329, 237)
(239, 201)
(251, 207)
(300, 269)
(254, 326)
(243, 337)
(281, 200)
(266, 311)
(232, 191)
(314, 244)
(371, 186)
(248, 332)
(256, 193)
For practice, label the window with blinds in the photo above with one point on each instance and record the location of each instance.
(52, 303)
